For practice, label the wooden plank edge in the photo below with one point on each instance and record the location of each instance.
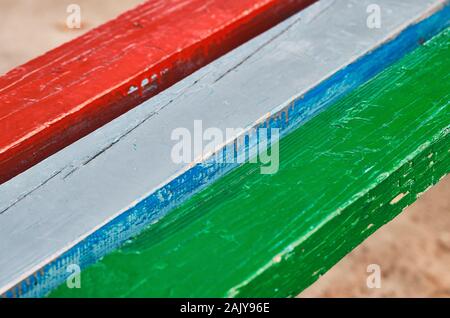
(407, 40)
(34, 129)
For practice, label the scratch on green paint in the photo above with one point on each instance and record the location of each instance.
(273, 235)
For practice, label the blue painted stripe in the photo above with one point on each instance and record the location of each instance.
(132, 221)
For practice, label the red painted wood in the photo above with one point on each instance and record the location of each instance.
(67, 93)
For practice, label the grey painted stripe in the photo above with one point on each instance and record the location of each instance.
(51, 207)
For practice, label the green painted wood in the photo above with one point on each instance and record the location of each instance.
(273, 235)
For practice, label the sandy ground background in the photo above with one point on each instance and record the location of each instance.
(413, 251)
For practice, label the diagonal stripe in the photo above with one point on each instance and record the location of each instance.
(254, 235)
(82, 202)
(67, 93)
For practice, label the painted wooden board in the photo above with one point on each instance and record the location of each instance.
(135, 180)
(67, 93)
(343, 174)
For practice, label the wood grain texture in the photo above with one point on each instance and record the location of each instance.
(67, 93)
(92, 196)
(340, 179)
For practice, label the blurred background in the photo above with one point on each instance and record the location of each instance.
(413, 251)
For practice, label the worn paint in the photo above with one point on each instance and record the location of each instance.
(273, 235)
(134, 187)
(67, 93)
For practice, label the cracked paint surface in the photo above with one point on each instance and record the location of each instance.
(340, 178)
(108, 211)
(56, 99)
